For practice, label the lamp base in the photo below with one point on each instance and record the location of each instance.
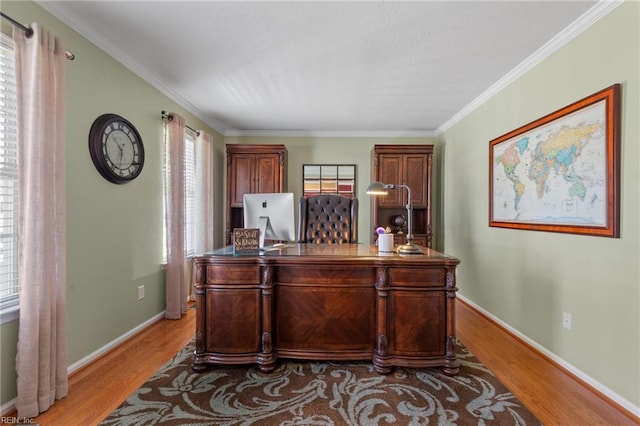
(408, 249)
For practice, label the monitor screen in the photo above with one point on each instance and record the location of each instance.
(272, 213)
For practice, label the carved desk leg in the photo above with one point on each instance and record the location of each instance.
(452, 364)
(198, 363)
(380, 357)
(266, 358)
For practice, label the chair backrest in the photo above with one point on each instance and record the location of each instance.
(328, 219)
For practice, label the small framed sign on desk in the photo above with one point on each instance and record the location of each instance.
(246, 241)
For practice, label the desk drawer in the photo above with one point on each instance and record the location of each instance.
(326, 275)
(240, 274)
(417, 277)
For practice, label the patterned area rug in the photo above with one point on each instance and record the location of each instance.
(320, 394)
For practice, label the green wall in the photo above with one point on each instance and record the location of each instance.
(114, 232)
(528, 279)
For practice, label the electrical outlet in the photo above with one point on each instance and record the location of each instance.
(566, 320)
(140, 292)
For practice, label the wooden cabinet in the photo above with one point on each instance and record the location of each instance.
(251, 169)
(409, 165)
(326, 302)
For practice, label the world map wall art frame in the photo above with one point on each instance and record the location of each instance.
(560, 173)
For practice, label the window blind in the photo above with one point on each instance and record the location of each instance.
(189, 192)
(8, 177)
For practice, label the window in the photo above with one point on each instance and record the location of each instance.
(8, 180)
(189, 195)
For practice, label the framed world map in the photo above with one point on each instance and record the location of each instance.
(560, 173)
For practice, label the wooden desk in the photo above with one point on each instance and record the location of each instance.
(326, 302)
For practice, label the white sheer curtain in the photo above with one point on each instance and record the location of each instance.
(204, 193)
(176, 290)
(41, 362)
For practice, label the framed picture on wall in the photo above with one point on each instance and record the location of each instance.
(560, 173)
(339, 179)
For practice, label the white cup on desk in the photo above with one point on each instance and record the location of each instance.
(385, 243)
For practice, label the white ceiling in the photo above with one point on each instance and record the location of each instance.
(320, 67)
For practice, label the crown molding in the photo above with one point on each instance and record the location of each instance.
(333, 133)
(76, 24)
(578, 26)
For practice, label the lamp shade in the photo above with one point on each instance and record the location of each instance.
(377, 188)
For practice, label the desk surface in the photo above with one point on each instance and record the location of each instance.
(343, 251)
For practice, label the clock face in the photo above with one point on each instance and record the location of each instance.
(116, 148)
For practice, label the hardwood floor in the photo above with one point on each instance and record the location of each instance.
(552, 395)
(98, 389)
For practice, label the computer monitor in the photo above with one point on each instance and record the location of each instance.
(272, 213)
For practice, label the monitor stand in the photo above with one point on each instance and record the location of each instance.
(263, 225)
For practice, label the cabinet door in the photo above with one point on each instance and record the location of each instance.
(418, 323)
(242, 170)
(267, 174)
(421, 240)
(233, 321)
(415, 171)
(390, 171)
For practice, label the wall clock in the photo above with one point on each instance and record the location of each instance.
(116, 148)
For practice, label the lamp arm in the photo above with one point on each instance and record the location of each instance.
(409, 214)
(409, 211)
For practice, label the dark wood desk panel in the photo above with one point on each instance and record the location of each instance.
(326, 302)
(331, 319)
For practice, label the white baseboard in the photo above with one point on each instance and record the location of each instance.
(113, 344)
(626, 404)
(10, 406)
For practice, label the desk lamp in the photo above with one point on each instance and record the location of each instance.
(379, 188)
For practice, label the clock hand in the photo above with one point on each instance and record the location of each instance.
(120, 149)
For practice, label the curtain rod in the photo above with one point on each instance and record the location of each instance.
(169, 117)
(28, 32)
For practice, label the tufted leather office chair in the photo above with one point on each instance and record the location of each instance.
(328, 219)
